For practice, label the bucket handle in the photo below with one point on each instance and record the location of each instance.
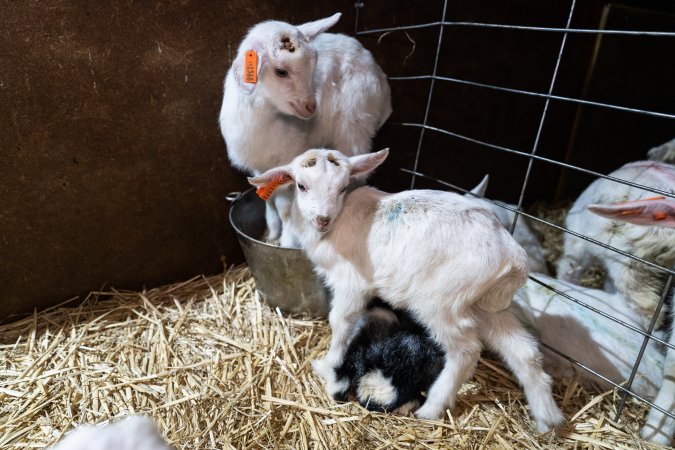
(233, 196)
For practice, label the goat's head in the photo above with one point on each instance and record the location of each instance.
(321, 178)
(286, 64)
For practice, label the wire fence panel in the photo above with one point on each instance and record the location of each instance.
(438, 82)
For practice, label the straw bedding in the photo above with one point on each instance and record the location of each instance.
(217, 368)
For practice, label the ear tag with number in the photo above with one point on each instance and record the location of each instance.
(251, 67)
(266, 191)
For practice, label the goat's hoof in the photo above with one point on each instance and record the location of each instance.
(429, 412)
(322, 368)
(407, 408)
(341, 396)
(336, 387)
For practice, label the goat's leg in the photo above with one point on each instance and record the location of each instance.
(273, 221)
(346, 307)
(459, 339)
(504, 334)
(283, 202)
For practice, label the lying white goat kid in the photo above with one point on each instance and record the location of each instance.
(657, 216)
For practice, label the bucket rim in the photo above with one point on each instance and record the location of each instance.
(241, 233)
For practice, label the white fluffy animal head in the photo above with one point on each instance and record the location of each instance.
(131, 433)
(286, 63)
(321, 178)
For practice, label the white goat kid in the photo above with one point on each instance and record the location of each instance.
(658, 214)
(443, 257)
(601, 344)
(131, 433)
(635, 280)
(313, 89)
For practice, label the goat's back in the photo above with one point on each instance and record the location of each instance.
(428, 245)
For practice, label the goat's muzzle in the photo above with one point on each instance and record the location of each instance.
(322, 223)
(305, 109)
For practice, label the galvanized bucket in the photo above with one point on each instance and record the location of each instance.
(284, 276)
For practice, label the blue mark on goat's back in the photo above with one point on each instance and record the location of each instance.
(395, 211)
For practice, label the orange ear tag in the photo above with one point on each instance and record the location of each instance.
(266, 191)
(660, 215)
(251, 67)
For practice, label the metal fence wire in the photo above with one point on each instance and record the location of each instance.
(437, 81)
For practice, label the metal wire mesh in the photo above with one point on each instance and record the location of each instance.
(532, 156)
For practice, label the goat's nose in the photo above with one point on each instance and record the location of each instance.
(322, 221)
(310, 106)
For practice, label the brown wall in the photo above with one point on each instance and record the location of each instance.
(113, 171)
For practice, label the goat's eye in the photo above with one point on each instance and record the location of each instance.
(302, 187)
(281, 73)
(344, 189)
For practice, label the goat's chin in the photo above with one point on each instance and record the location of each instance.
(322, 230)
(301, 113)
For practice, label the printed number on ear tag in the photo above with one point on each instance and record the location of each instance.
(266, 191)
(251, 67)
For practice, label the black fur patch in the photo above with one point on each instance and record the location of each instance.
(402, 350)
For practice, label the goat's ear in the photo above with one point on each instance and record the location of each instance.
(658, 211)
(312, 29)
(362, 165)
(280, 175)
(270, 180)
(238, 65)
(480, 190)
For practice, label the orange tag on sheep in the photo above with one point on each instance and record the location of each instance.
(251, 67)
(266, 191)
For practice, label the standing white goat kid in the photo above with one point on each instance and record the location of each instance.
(443, 257)
(306, 88)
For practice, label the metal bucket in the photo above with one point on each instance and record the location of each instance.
(284, 276)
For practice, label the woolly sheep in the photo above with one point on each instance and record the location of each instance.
(313, 89)
(654, 214)
(131, 433)
(444, 257)
(637, 281)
